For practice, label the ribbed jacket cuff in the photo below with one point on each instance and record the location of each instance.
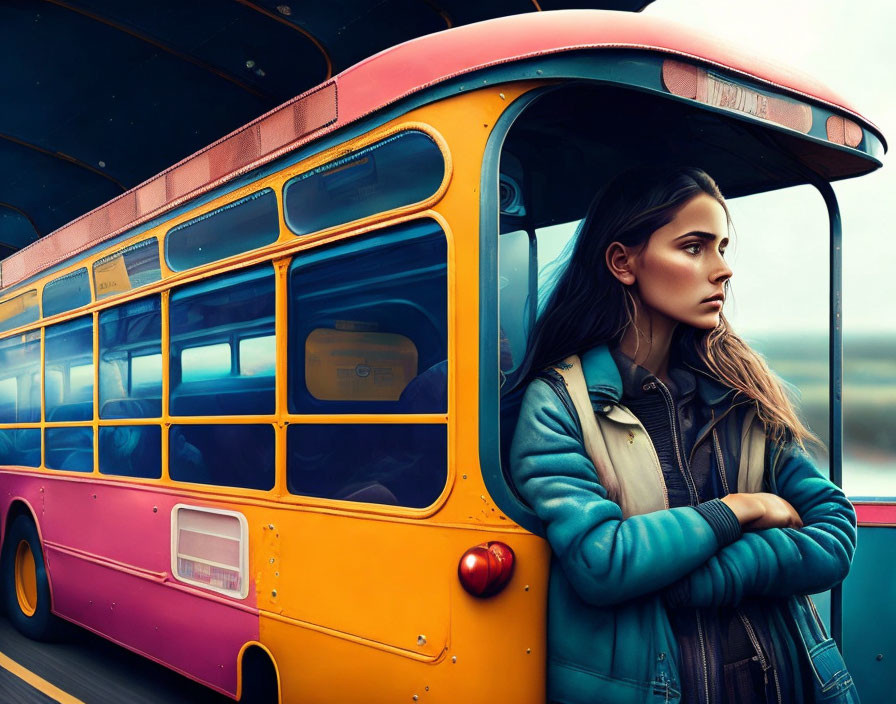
(722, 519)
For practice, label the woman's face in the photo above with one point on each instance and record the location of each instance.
(681, 272)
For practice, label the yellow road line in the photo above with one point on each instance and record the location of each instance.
(39, 683)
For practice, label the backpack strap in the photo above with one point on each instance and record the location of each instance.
(570, 369)
(751, 470)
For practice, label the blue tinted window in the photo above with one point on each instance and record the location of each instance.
(68, 384)
(20, 310)
(401, 170)
(403, 465)
(20, 379)
(245, 224)
(131, 451)
(66, 293)
(20, 446)
(209, 320)
(368, 324)
(225, 455)
(205, 362)
(69, 448)
(131, 360)
(127, 269)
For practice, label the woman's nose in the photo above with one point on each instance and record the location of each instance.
(723, 271)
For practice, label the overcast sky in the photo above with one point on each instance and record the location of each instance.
(780, 260)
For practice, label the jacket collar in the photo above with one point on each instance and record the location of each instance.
(605, 383)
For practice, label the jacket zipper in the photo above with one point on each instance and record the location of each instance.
(703, 656)
(720, 460)
(712, 426)
(748, 627)
(763, 661)
(670, 408)
(695, 499)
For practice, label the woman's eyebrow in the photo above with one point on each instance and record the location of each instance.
(697, 233)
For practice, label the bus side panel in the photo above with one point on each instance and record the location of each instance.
(185, 631)
(869, 612)
(108, 553)
(494, 653)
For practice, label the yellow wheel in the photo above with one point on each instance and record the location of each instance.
(26, 590)
(26, 579)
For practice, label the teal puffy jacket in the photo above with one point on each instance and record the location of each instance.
(609, 638)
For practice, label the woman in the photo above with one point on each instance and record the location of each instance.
(682, 534)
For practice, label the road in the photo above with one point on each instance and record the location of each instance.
(85, 668)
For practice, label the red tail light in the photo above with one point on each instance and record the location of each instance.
(486, 569)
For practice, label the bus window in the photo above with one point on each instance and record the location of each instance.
(130, 355)
(208, 319)
(368, 325)
(68, 394)
(127, 269)
(404, 169)
(20, 399)
(205, 362)
(68, 388)
(396, 464)
(69, 448)
(368, 334)
(131, 451)
(66, 293)
(225, 455)
(257, 356)
(248, 223)
(20, 310)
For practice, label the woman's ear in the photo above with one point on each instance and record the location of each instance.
(620, 263)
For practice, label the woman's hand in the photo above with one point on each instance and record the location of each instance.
(763, 510)
(778, 514)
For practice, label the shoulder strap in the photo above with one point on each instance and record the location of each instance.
(570, 369)
(751, 470)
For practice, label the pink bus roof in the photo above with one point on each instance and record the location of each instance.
(386, 78)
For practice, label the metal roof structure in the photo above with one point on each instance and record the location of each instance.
(101, 95)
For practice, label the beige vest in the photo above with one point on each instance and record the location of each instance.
(624, 457)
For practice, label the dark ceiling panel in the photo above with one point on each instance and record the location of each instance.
(100, 95)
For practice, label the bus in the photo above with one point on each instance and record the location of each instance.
(255, 412)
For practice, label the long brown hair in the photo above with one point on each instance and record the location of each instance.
(589, 306)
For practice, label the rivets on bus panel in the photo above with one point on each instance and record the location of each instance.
(416, 697)
(271, 560)
(528, 651)
(270, 526)
(155, 509)
(273, 592)
(526, 588)
(503, 97)
(454, 658)
(421, 640)
(465, 476)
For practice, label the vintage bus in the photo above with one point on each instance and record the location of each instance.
(254, 413)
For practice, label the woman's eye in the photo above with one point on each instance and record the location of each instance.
(693, 248)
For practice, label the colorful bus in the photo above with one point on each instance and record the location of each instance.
(254, 413)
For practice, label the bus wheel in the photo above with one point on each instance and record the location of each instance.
(26, 591)
(259, 678)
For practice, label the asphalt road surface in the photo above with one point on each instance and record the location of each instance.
(85, 668)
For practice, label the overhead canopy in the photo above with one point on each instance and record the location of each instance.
(100, 95)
